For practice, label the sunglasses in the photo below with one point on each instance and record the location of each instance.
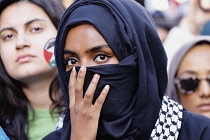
(188, 85)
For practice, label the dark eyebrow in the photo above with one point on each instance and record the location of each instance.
(188, 71)
(4, 29)
(33, 20)
(97, 48)
(69, 52)
(26, 24)
(92, 49)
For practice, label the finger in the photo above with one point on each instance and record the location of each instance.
(72, 87)
(79, 85)
(100, 100)
(91, 90)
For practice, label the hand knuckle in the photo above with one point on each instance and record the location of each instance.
(78, 90)
(99, 101)
(88, 95)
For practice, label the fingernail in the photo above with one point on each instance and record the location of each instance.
(107, 87)
(96, 75)
(74, 68)
(83, 68)
(73, 71)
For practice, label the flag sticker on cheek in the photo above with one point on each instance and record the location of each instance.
(49, 52)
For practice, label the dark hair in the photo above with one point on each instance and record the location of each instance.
(202, 42)
(13, 102)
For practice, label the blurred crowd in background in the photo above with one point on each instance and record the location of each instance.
(182, 25)
(166, 13)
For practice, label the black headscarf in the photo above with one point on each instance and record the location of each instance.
(137, 83)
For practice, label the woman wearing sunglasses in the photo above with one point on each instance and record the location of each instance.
(189, 76)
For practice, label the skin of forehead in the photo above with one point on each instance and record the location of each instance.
(197, 60)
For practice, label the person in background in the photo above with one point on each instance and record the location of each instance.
(112, 71)
(162, 25)
(162, 29)
(189, 76)
(30, 97)
(189, 26)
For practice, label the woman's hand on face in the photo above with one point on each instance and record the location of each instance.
(84, 115)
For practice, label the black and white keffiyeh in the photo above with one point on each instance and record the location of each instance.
(169, 120)
(59, 124)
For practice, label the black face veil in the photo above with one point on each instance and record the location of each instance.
(137, 83)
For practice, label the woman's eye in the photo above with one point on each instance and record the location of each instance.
(101, 58)
(71, 62)
(8, 36)
(37, 29)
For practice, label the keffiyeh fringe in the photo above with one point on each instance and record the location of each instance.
(169, 121)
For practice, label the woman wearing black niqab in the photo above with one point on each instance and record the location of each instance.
(135, 107)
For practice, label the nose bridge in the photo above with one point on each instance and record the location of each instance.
(22, 40)
(84, 62)
(204, 89)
